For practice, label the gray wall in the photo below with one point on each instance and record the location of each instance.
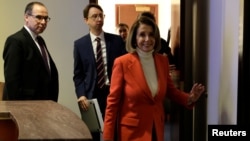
(65, 26)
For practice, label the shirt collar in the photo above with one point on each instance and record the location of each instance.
(93, 37)
(32, 34)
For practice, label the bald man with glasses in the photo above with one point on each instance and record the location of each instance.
(29, 70)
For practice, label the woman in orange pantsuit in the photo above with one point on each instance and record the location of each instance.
(139, 84)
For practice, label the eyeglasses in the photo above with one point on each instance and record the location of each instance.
(96, 16)
(40, 17)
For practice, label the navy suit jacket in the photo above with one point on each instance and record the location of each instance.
(26, 77)
(85, 62)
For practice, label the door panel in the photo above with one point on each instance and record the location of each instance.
(127, 13)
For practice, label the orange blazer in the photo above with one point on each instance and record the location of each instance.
(131, 110)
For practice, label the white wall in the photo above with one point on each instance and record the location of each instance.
(164, 7)
(224, 21)
(65, 26)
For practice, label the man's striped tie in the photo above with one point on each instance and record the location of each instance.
(99, 64)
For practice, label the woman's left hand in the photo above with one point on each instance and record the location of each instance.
(195, 93)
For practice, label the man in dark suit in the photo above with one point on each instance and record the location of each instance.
(29, 75)
(85, 54)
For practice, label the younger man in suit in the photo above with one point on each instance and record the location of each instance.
(85, 58)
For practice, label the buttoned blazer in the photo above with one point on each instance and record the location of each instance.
(26, 77)
(85, 62)
(130, 100)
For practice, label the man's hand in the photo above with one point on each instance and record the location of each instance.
(84, 103)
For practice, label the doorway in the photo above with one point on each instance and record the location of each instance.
(127, 13)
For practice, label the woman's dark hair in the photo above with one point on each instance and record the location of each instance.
(148, 14)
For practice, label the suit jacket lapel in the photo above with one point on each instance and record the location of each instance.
(161, 75)
(35, 48)
(88, 48)
(137, 74)
(31, 41)
(108, 44)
